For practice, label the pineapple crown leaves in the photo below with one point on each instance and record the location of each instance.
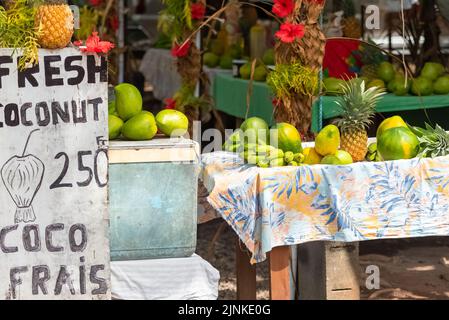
(434, 142)
(358, 105)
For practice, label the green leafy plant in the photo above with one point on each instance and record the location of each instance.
(289, 79)
(175, 18)
(18, 31)
(89, 19)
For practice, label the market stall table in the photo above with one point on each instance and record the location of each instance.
(272, 209)
(230, 96)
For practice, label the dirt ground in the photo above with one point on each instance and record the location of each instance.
(409, 268)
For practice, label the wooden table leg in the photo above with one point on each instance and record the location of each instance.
(246, 273)
(328, 271)
(280, 273)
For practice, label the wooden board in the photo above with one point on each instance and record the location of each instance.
(280, 273)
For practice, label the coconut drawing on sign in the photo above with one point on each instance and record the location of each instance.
(22, 177)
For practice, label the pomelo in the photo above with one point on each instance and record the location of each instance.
(422, 86)
(115, 126)
(311, 156)
(286, 137)
(402, 87)
(140, 127)
(172, 123)
(432, 70)
(128, 101)
(245, 71)
(385, 71)
(226, 62)
(256, 130)
(392, 122)
(399, 86)
(328, 140)
(344, 157)
(235, 51)
(398, 143)
(268, 57)
(441, 85)
(260, 73)
(331, 159)
(211, 59)
(333, 86)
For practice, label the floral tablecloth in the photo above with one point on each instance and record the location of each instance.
(363, 201)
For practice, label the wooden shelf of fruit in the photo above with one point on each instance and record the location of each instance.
(341, 144)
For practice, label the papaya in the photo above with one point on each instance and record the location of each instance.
(392, 122)
(286, 137)
(398, 143)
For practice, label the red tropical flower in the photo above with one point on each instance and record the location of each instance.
(283, 8)
(170, 103)
(94, 44)
(181, 50)
(197, 11)
(290, 32)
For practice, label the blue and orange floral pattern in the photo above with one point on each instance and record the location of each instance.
(363, 201)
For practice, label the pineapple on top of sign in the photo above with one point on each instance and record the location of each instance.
(55, 21)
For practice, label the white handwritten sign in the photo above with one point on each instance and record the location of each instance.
(53, 177)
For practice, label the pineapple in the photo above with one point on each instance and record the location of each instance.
(351, 25)
(434, 142)
(357, 108)
(54, 18)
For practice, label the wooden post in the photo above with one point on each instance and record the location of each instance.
(280, 273)
(246, 273)
(328, 271)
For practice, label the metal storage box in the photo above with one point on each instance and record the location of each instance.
(153, 198)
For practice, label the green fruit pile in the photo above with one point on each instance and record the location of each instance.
(220, 57)
(260, 71)
(127, 119)
(258, 145)
(281, 145)
(431, 80)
